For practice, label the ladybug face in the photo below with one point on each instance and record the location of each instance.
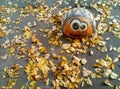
(78, 26)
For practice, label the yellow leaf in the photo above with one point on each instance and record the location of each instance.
(76, 43)
(2, 34)
(38, 88)
(63, 62)
(42, 65)
(32, 84)
(64, 58)
(43, 50)
(27, 32)
(22, 87)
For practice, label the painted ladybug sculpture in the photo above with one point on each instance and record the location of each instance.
(78, 22)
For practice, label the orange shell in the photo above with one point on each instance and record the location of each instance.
(86, 17)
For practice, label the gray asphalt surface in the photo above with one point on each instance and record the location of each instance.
(97, 83)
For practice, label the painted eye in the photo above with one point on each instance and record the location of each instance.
(83, 26)
(75, 24)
